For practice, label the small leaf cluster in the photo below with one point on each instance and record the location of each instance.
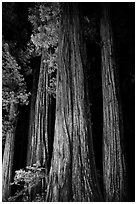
(45, 20)
(51, 88)
(52, 69)
(29, 177)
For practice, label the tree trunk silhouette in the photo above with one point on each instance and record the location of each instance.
(73, 174)
(38, 137)
(7, 165)
(113, 157)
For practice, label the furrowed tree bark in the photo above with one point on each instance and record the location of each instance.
(38, 137)
(73, 174)
(114, 170)
(7, 165)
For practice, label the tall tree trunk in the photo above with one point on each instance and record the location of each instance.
(38, 136)
(113, 156)
(73, 174)
(7, 165)
(34, 89)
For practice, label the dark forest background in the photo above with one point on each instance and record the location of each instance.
(22, 55)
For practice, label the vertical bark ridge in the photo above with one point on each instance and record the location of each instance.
(113, 155)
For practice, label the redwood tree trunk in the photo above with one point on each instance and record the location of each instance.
(113, 156)
(38, 136)
(7, 165)
(73, 174)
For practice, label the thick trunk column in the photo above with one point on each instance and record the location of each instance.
(113, 156)
(73, 174)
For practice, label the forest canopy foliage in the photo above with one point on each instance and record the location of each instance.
(13, 87)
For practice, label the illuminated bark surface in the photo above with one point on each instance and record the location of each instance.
(73, 174)
(7, 165)
(113, 157)
(38, 136)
